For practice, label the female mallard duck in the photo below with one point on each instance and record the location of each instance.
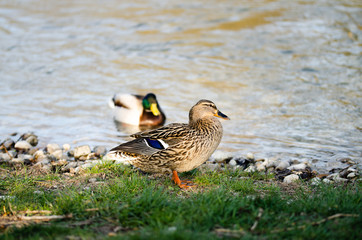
(137, 110)
(177, 147)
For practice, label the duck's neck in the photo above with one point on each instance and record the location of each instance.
(206, 124)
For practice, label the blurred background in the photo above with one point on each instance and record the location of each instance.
(287, 73)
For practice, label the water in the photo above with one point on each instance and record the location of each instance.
(287, 73)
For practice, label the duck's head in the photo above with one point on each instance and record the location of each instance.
(205, 109)
(150, 103)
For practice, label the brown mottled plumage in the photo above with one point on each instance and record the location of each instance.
(177, 147)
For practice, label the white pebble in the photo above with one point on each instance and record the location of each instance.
(260, 167)
(326, 180)
(22, 145)
(81, 151)
(232, 162)
(351, 175)
(220, 156)
(291, 178)
(315, 181)
(66, 147)
(283, 165)
(4, 157)
(52, 147)
(39, 155)
(251, 168)
(57, 154)
(332, 176)
(250, 156)
(298, 167)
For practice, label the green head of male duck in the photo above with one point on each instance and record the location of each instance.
(149, 103)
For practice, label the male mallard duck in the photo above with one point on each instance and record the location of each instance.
(177, 147)
(137, 110)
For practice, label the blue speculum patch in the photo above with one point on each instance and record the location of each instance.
(154, 143)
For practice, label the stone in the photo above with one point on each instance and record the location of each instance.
(291, 178)
(38, 192)
(100, 151)
(81, 151)
(326, 180)
(32, 139)
(8, 144)
(47, 168)
(57, 154)
(298, 167)
(22, 145)
(315, 181)
(19, 159)
(332, 176)
(270, 162)
(251, 168)
(92, 180)
(220, 156)
(4, 157)
(39, 155)
(69, 166)
(250, 156)
(282, 165)
(232, 162)
(351, 175)
(208, 167)
(66, 147)
(52, 147)
(260, 167)
(59, 163)
(338, 179)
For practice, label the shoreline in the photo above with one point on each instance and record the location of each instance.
(67, 160)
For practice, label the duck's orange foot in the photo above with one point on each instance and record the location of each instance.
(184, 184)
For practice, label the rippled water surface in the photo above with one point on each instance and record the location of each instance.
(287, 73)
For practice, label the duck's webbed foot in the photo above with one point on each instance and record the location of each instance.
(182, 184)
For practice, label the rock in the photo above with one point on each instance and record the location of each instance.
(100, 151)
(39, 155)
(59, 163)
(251, 168)
(282, 165)
(351, 169)
(4, 157)
(351, 175)
(32, 139)
(298, 167)
(232, 162)
(9, 143)
(260, 166)
(270, 162)
(291, 178)
(52, 147)
(69, 166)
(81, 151)
(243, 163)
(38, 192)
(220, 156)
(22, 145)
(338, 179)
(70, 153)
(332, 176)
(315, 181)
(326, 180)
(19, 159)
(47, 168)
(250, 156)
(57, 154)
(66, 147)
(92, 180)
(208, 167)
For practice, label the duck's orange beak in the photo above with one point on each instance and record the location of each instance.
(221, 115)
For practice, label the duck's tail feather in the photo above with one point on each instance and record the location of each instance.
(119, 157)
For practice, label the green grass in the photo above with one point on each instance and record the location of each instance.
(126, 204)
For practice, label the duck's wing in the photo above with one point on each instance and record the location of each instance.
(139, 146)
(166, 133)
(128, 101)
